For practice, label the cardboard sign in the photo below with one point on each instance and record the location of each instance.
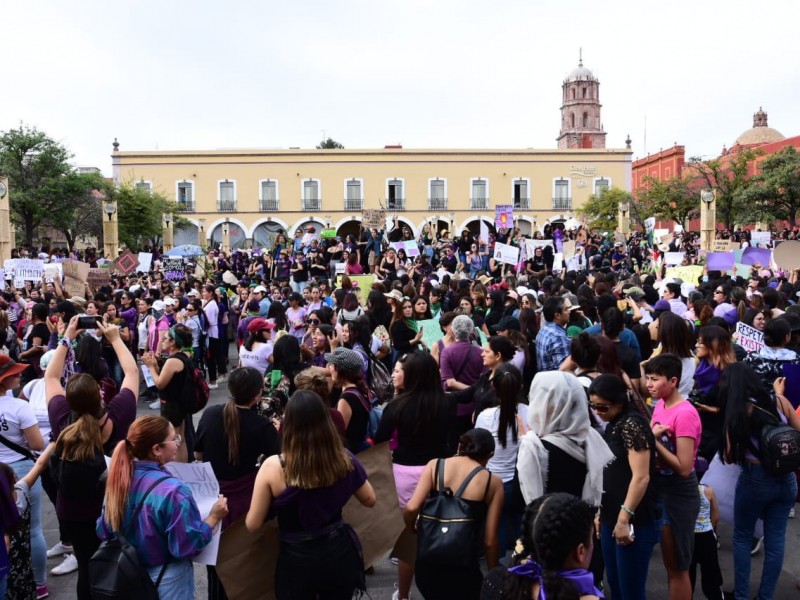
(98, 278)
(673, 258)
(506, 254)
(667, 238)
(173, 268)
(52, 272)
(722, 245)
(126, 263)
(205, 490)
(787, 255)
(75, 275)
(569, 249)
(145, 262)
(410, 248)
(749, 338)
(373, 218)
(760, 238)
(504, 216)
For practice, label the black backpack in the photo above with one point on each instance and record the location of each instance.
(115, 571)
(195, 393)
(779, 448)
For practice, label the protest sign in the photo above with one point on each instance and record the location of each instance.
(229, 278)
(760, 238)
(340, 268)
(52, 272)
(749, 338)
(484, 232)
(145, 262)
(659, 233)
(719, 261)
(722, 246)
(688, 273)
(327, 233)
(576, 263)
(503, 216)
(205, 490)
(410, 248)
(666, 238)
(760, 256)
(126, 263)
(649, 224)
(29, 269)
(506, 254)
(75, 275)
(98, 278)
(558, 262)
(569, 249)
(173, 268)
(531, 245)
(8, 267)
(787, 255)
(364, 284)
(373, 218)
(673, 258)
(246, 561)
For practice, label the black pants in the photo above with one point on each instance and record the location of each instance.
(705, 555)
(217, 348)
(84, 545)
(215, 589)
(51, 489)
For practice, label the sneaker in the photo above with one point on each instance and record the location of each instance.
(394, 560)
(41, 592)
(69, 565)
(155, 405)
(791, 513)
(223, 377)
(213, 386)
(758, 543)
(59, 550)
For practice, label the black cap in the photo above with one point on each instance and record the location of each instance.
(507, 322)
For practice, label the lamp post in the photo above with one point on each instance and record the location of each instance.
(201, 233)
(226, 235)
(452, 225)
(167, 233)
(624, 219)
(110, 231)
(6, 238)
(535, 219)
(708, 218)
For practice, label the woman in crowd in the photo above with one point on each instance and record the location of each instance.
(759, 494)
(192, 320)
(287, 362)
(446, 325)
(422, 308)
(110, 317)
(628, 513)
(483, 493)
(322, 344)
(171, 380)
(378, 310)
(345, 368)
(756, 318)
(233, 437)
(256, 351)
(403, 330)
(155, 511)
(506, 422)
(675, 337)
(306, 487)
(296, 316)
(419, 420)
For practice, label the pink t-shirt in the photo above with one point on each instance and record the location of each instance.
(683, 421)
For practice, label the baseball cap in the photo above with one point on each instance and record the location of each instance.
(170, 302)
(159, 305)
(260, 289)
(259, 324)
(507, 322)
(192, 293)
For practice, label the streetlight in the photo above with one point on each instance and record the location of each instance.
(201, 236)
(167, 231)
(708, 218)
(110, 208)
(624, 221)
(226, 238)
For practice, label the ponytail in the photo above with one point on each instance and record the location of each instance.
(231, 425)
(81, 440)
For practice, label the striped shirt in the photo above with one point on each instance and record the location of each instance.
(169, 526)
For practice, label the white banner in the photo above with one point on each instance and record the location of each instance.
(760, 239)
(29, 269)
(205, 491)
(145, 262)
(673, 258)
(410, 248)
(749, 338)
(506, 254)
(531, 245)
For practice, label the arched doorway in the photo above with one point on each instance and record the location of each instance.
(474, 226)
(264, 234)
(235, 233)
(185, 235)
(351, 227)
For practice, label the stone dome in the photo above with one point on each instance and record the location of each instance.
(760, 133)
(581, 73)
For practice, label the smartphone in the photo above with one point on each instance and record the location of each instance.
(88, 322)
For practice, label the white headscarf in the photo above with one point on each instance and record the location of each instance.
(558, 413)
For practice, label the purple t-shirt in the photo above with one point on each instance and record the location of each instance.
(121, 411)
(462, 358)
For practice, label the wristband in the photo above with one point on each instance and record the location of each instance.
(627, 510)
(66, 342)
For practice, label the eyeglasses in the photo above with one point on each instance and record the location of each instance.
(599, 408)
(313, 321)
(190, 309)
(177, 440)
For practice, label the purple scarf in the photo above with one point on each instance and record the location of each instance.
(582, 579)
(706, 376)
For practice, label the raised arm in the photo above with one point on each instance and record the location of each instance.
(126, 360)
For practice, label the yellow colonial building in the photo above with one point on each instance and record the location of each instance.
(254, 193)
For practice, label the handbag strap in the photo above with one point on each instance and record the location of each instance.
(26, 452)
(469, 478)
(438, 479)
(136, 513)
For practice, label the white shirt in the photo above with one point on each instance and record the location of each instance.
(504, 460)
(37, 398)
(15, 416)
(258, 357)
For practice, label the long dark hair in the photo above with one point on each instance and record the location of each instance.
(422, 391)
(507, 382)
(243, 386)
(674, 335)
(740, 386)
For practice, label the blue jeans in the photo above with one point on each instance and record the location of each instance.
(769, 497)
(626, 566)
(510, 520)
(177, 582)
(3, 584)
(38, 545)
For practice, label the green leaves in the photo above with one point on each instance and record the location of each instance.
(329, 144)
(673, 199)
(140, 215)
(602, 210)
(774, 194)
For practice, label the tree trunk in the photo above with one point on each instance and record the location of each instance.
(29, 227)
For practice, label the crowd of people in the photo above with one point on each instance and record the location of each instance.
(578, 409)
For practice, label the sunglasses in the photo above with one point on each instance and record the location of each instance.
(313, 321)
(718, 292)
(599, 408)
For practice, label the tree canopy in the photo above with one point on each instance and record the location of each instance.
(139, 214)
(774, 194)
(728, 178)
(329, 144)
(673, 199)
(602, 209)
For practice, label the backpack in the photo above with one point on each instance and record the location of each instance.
(447, 531)
(379, 379)
(779, 448)
(195, 393)
(375, 413)
(115, 571)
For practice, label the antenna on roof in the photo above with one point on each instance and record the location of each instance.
(580, 57)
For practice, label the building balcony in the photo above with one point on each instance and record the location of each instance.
(396, 204)
(268, 205)
(437, 203)
(562, 203)
(226, 206)
(351, 204)
(521, 203)
(479, 204)
(186, 206)
(314, 204)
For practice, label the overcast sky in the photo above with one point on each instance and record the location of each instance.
(180, 74)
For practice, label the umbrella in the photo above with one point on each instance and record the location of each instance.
(185, 250)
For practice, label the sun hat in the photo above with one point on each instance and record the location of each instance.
(395, 294)
(9, 368)
(345, 359)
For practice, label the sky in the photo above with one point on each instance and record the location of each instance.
(200, 75)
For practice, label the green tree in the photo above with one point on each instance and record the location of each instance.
(729, 179)
(774, 194)
(673, 199)
(139, 215)
(79, 209)
(329, 144)
(602, 210)
(32, 162)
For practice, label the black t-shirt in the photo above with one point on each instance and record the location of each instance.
(564, 473)
(359, 419)
(40, 331)
(415, 447)
(257, 436)
(450, 263)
